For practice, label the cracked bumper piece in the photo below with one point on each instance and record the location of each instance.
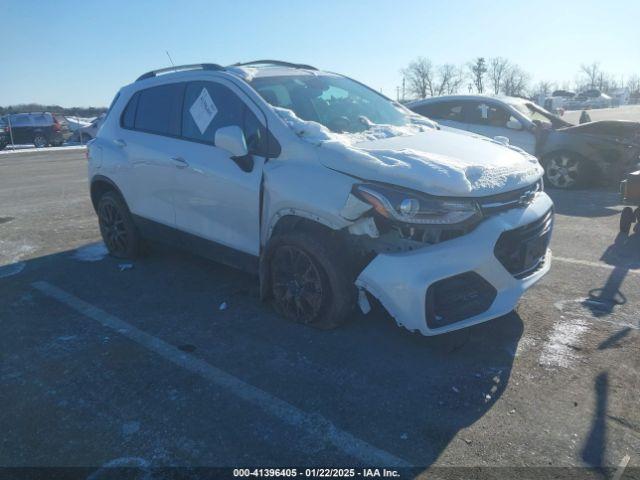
(466, 280)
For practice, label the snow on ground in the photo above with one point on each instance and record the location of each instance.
(93, 252)
(9, 149)
(561, 348)
(625, 112)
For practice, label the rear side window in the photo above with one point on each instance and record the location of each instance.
(159, 108)
(42, 120)
(441, 111)
(129, 114)
(21, 120)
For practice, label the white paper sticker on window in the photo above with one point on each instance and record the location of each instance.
(203, 110)
(484, 110)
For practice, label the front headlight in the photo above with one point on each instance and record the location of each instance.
(412, 207)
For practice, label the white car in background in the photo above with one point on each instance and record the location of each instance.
(572, 155)
(326, 189)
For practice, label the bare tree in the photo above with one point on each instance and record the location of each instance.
(449, 80)
(420, 77)
(633, 83)
(478, 70)
(592, 73)
(544, 88)
(515, 81)
(497, 69)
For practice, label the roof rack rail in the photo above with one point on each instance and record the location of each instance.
(275, 62)
(177, 68)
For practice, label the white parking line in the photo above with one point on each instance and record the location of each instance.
(632, 267)
(313, 424)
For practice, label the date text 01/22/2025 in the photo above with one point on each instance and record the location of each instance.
(315, 472)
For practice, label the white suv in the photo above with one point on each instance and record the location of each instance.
(329, 191)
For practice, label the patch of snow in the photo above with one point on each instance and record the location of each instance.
(316, 133)
(91, 253)
(78, 122)
(245, 73)
(559, 350)
(436, 173)
(9, 149)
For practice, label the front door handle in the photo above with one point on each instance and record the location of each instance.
(180, 162)
(120, 143)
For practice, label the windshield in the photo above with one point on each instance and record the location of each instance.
(536, 113)
(340, 104)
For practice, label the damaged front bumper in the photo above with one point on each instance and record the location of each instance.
(467, 280)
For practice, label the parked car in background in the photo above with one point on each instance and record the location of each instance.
(38, 128)
(326, 189)
(589, 99)
(88, 132)
(5, 135)
(572, 155)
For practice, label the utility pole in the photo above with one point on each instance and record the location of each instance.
(403, 90)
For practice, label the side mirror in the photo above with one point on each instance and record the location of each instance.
(514, 124)
(232, 140)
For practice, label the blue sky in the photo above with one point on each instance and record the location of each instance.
(78, 53)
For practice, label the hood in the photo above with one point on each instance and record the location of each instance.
(436, 162)
(615, 128)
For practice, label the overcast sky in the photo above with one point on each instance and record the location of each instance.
(78, 53)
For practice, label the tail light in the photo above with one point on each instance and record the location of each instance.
(56, 126)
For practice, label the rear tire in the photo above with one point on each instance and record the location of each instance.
(3, 146)
(566, 170)
(40, 141)
(118, 231)
(310, 281)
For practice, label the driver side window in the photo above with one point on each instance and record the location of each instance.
(209, 106)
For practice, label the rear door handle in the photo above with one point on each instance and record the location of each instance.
(180, 162)
(119, 142)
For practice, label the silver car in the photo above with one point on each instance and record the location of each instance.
(491, 117)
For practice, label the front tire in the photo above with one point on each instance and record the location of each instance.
(118, 231)
(309, 280)
(565, 170)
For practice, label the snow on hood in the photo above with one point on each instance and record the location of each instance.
(437, 162)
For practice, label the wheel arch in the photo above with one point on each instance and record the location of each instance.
(290, 222)
(101, 185)
(594, 167)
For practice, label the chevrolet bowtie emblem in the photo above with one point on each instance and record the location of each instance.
(526, 198)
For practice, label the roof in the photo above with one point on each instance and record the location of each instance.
(246, 70)
(447, 98)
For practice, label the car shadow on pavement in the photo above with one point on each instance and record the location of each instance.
(399, 391)
(585, 203)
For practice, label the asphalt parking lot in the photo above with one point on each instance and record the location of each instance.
(106, 363)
